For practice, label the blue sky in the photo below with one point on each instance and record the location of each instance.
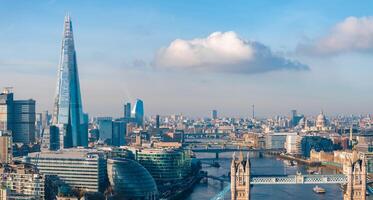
(278, 55)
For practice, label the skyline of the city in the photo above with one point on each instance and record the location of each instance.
(298, 58)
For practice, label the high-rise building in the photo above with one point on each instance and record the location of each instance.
(127, 110)
(6, 109)
(38, 126)
(6, 151)
(17, 116)
(295, 118)
(105, 128)
(84, 128)
(157, 122)
(119, 129)
(51, 139)
(138, 112)
(214, 114)
(45, 119)
(24, 117)
(68, 112)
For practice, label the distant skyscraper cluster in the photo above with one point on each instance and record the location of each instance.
(114, 131)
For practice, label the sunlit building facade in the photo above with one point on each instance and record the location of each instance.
(138, 112)
(17, 116)
(68, 113)
(81, 169)
(165, 165)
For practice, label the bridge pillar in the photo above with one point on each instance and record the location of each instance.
(355, 170)
(240, 178)
(216, 155)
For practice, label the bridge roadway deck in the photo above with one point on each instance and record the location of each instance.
(220, 150)
(299, 179)
(291, 179)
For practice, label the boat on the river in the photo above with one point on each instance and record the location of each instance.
(319, 190)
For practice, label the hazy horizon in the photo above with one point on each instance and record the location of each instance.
(193, 58)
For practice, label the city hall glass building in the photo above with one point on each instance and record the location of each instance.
(130, 180)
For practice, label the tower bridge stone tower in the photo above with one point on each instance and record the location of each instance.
(240, 177)
(356, 172)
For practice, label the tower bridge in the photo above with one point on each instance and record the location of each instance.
(354, 178)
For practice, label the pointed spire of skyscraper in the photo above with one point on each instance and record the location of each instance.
(68, 114)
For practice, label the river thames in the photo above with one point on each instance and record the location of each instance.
(263, 165)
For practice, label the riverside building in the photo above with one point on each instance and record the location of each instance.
(165, 165)
(130, 180)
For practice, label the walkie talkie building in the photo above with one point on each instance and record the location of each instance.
(68, 113)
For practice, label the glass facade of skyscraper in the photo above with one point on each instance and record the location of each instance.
(68, 114)
(17, 116)
(138, 112)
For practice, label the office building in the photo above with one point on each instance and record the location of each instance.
(38, 126)
(68, 111)
(119, 129)
(45, 117)
(6, 109)
(127, 110)
(293, 144)
(6, 147)
(81, 169)
(157, 121)
(214, 114)
(24, 117)
(138, 112)
(105, 128)
(17, 116)
(22, 181)
(130, 180)
(295, 118)
(165, 165)
(276, 140)
(51, 138)
(84, 126)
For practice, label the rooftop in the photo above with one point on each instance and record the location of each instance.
(73, 153)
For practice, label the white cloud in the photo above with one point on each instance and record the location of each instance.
(351, 35)
(222, 52)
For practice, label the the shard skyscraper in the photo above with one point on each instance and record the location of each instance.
(68, 112)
